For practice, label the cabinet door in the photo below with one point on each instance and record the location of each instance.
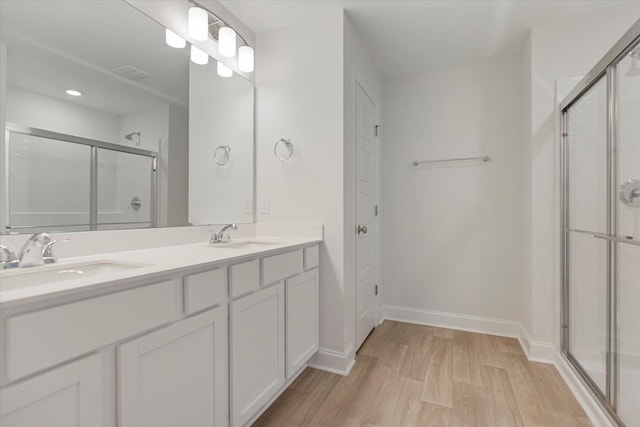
(177, 376)
(302, 320)
(257, 351)
(67, 396)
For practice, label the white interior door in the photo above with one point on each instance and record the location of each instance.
(365, 218)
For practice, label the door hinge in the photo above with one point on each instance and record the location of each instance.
(376, 289)
(376, 129)
(375, 210)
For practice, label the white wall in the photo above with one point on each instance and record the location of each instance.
(559, 51)
(299, 95)
(452, 233)
(221, 113)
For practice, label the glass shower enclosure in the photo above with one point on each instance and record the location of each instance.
(59, 182)
(601, 229)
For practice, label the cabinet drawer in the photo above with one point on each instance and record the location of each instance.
(37, 340)
(205, 290)
(311, 258)
(245, 278)
(278, 267)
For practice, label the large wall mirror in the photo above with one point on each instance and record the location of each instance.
(152, 139)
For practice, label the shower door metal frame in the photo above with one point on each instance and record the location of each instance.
(93, 173)
(605, 68)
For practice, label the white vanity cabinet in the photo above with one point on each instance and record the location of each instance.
(302, 320)
(210, 345)
(257, 351)
(176, 376)
(71, 395)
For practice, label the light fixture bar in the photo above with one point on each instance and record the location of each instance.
(248, 63)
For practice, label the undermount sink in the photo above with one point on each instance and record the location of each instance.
(245, 245)
(27, 277)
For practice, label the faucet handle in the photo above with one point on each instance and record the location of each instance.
(47, 251)
(8, 258)
(214, 238)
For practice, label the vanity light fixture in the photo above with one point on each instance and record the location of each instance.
(203, 24)
(224, 71)
(74, 92)
(245, 59)
(227, 42)
(198, 56)
(174, 40)
(198, 23)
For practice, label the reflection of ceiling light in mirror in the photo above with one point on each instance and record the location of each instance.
(224, 71)
(227, 42)
(198, 56)
(245, 59)
(73, 92)
(174, 40)
(198, 24)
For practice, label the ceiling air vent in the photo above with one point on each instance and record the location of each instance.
(130, 72)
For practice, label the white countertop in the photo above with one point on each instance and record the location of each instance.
(159, 262)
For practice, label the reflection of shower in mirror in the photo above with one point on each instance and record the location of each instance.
(130, 137)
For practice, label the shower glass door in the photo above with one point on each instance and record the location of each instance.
(627, 321)
(601, 230)
(587, 198)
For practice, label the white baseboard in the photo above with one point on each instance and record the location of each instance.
(333, 361)
(596, 414)
(537, 351)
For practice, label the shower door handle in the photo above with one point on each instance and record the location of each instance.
(625, 239)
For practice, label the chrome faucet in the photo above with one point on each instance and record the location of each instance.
(8, 258)
(222, 236)
(37, 251)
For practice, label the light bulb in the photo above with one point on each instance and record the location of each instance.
(198, 24)
(174, 40)
(245, 59)
(227, 42)
(224, 71)
(198, 56)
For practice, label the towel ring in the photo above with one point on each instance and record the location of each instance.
(226, 153)
(286, 151)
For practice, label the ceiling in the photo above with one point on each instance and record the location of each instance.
(66, 44)
(413, 36)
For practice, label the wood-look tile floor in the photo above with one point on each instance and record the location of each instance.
(412, 375)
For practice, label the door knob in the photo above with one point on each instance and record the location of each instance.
(362, 229)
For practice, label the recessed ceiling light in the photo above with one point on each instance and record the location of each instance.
(74, 92)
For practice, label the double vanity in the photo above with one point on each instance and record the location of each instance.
(195, 334)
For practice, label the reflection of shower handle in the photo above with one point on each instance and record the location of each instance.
(135, 204)
(635, 193)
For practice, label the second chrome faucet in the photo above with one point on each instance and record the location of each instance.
(222, 236)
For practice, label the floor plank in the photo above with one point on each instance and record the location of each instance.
(412, 375)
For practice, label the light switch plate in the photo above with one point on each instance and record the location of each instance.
(264, 205)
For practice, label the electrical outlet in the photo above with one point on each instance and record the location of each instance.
(264, 205)
(248, 205)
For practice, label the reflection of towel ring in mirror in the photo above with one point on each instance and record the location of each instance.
(225, 154)
(283, 149)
